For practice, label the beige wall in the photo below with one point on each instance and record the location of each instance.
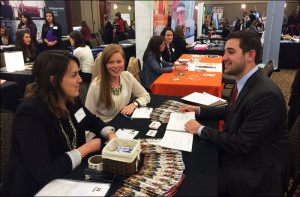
(76, 17)
(122, 8)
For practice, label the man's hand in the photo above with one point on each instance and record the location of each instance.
(189, 108)
(192, 126)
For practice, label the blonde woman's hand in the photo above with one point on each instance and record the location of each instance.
(128, 109)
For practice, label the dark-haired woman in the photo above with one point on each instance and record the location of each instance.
(84, 54)
(51, 32)
(120, 30)
(86, 31)
(24, 43)
(153, 65)
(48, 137)
(181, 47)
(169, 52)
(27, 24)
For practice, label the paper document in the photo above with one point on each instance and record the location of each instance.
(142, 112)
(204, 99)
(177, 140)
(177, 120)
(206, 67)
(126, 133)
(64, 187)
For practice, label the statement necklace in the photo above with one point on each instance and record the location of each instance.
(116, 91)
(74, 143)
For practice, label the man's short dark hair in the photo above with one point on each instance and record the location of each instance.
(249, 40)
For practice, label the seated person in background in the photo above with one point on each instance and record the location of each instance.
(225, 30)
(253, 26)
(206, 27)
(5, 38)
(48, 137)
(153, 65)
(131, 33)
(169, 52)
(181, 47)
(110, 92)
(27, 24)
(84, 54)
(237, 26)
(86, 32)
(51, 32)
(254, 145)
(25, 44)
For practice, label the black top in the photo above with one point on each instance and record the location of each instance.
(225, 33)
(169, 54)
(131, 33)
(180, 46)
(108, 33)
(57, 32)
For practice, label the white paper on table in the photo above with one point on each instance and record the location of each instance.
(207, 67)
(142, 112)
(126, 133)
(202, 98)
(177, 140)
(177, 120)
(63, 187)
(14, 61)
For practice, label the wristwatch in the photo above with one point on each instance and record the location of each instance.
(136, 103)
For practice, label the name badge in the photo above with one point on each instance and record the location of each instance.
(79, 115)
(173, 49)
(54, 27)
(125, 93)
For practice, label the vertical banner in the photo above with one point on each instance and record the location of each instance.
(58, 7)
(183, 14)
(200, 18)
(160, 16)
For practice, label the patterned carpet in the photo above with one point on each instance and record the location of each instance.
(284, 80)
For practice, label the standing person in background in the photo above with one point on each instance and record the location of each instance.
(27, 23)
(181, 47)
(131, 33)
(252, 16)
(5, 38)
(169, 52)
(120, 34)
(108, 31)
(84, 54)
(153, 65)
(246, 24)
(126, 28)
(51, 32)
(292, 22)
(112, 91)
(25, 44)
(48, 135)
(237, 25)
(86, 31)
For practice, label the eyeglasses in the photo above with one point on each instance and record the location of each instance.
(181, 12)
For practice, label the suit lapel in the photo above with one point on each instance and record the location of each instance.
(246, 89)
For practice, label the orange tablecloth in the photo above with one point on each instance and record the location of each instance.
(191, 82)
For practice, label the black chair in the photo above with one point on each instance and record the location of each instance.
(93, 43)
(6, 119)
(269, 67)
(83, 89)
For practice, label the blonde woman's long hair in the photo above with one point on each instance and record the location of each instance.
(103, 78)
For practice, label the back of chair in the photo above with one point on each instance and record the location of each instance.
(83, 90)
(134, 67)
(6, 120)
(268, 69)
(97, 67)
(93, 43)
(99, 40)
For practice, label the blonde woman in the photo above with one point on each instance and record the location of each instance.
(110, 93)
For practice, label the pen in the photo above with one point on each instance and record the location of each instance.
(127, 117)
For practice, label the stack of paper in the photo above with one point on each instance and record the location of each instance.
(205, 99)
(126, 133)
(142, 112)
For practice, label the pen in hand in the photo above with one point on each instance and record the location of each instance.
(127, 117)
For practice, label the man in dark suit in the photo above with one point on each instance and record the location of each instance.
(254, 144)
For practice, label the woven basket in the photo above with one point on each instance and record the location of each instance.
(122, 164)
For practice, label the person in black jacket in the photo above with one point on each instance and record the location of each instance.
(108, 31)
(169, 53)
(181, 47)
(131, 33)
(51, 32)
(48, 135)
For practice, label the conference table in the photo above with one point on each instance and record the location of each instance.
(201, 164)
(289, 55)
(190, 81)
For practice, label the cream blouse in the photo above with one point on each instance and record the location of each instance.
(130, 87)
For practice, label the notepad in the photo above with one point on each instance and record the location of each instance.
(177, 140)
(177, 120)
(205, 99)
(142, 112)
(127, 133)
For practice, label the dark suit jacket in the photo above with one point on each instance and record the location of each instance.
(166, 56)
(38, 146)
(254, 144)
(56, 32)
(180, 46)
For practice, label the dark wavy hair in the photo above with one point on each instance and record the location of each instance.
(118, 14)
(20, 44)
(153, 46)
(29, 19)
(249, 40)
(163, 32)
(46, 25)
(78, 38)
(51, 64)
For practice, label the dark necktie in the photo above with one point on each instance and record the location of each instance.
(234, 95)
